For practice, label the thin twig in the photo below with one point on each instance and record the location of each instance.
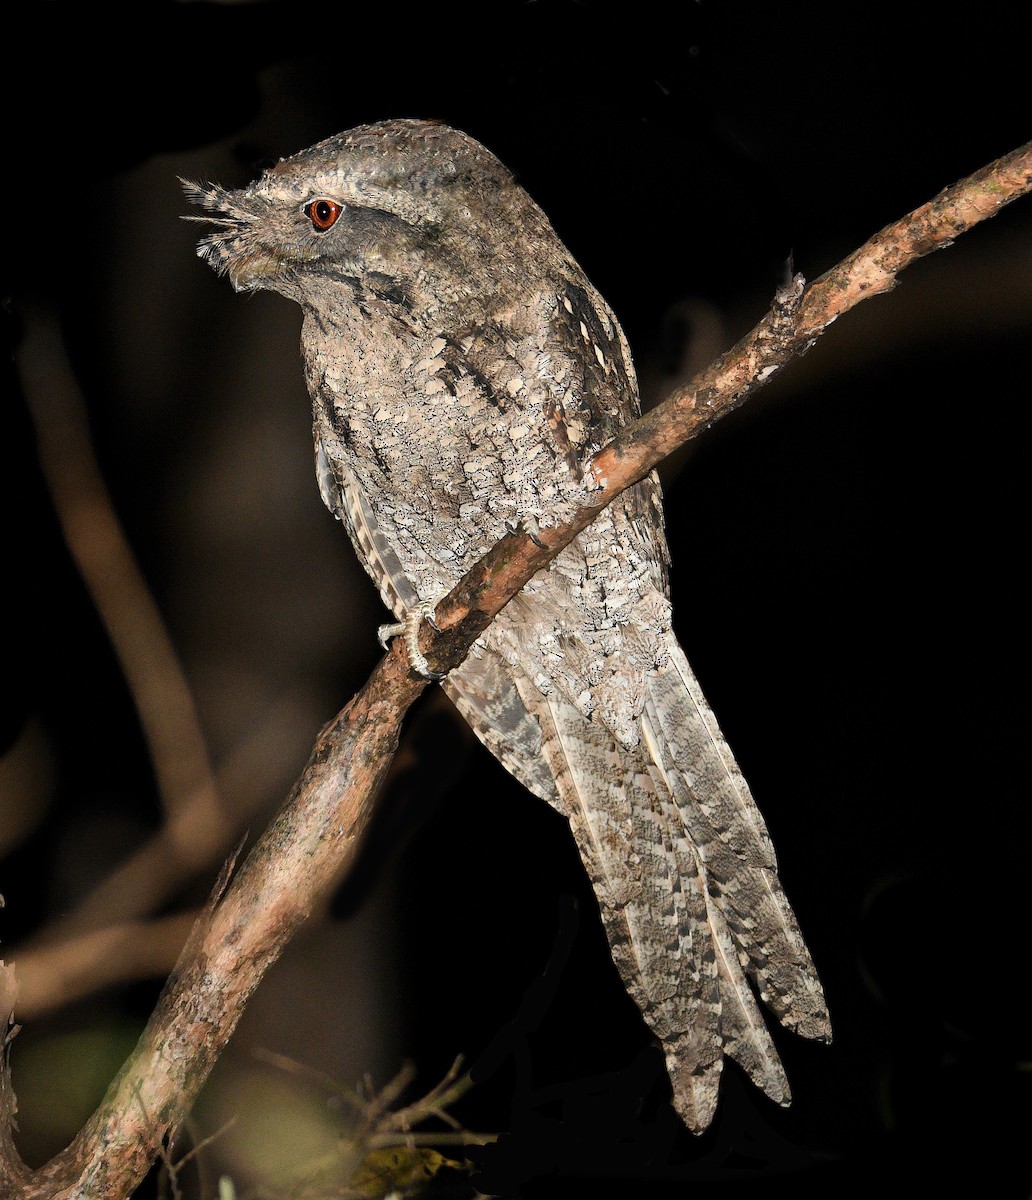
(205, 1142)
(434, 1103)
(462, 1137)
(311, 1075)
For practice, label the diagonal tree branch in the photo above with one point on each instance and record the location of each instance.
(798, 317)
(314, 838)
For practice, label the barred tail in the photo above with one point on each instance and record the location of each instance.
(686, 879)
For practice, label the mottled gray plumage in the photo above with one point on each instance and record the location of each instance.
(462, 371)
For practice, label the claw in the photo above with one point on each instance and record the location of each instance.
(530, 527)
(409, 629)
(533, 530)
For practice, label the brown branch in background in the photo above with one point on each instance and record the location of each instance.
(57, 973)
(316, 834)
(60, 964)
(97, 542)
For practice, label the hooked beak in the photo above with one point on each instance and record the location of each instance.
(233, 247)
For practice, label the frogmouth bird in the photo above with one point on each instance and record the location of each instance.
(463, 371)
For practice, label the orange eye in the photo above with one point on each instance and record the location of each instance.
(322, 214)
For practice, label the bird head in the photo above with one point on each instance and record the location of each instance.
(383, 202)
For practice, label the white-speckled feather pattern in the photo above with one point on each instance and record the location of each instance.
(463, 370)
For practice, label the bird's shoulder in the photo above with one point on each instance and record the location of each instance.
(553, 358)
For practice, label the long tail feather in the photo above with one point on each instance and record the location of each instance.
(651, 890)
(685, 873)
(722, 820)
(743, 1032)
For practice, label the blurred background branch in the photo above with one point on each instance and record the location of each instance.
(102, 940)
(98, 545)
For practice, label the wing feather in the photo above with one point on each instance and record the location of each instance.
(484, 693)
(343, 497)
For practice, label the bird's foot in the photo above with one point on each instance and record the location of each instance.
(530, 527)
(409, 629)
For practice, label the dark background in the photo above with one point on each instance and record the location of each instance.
(846, 554)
